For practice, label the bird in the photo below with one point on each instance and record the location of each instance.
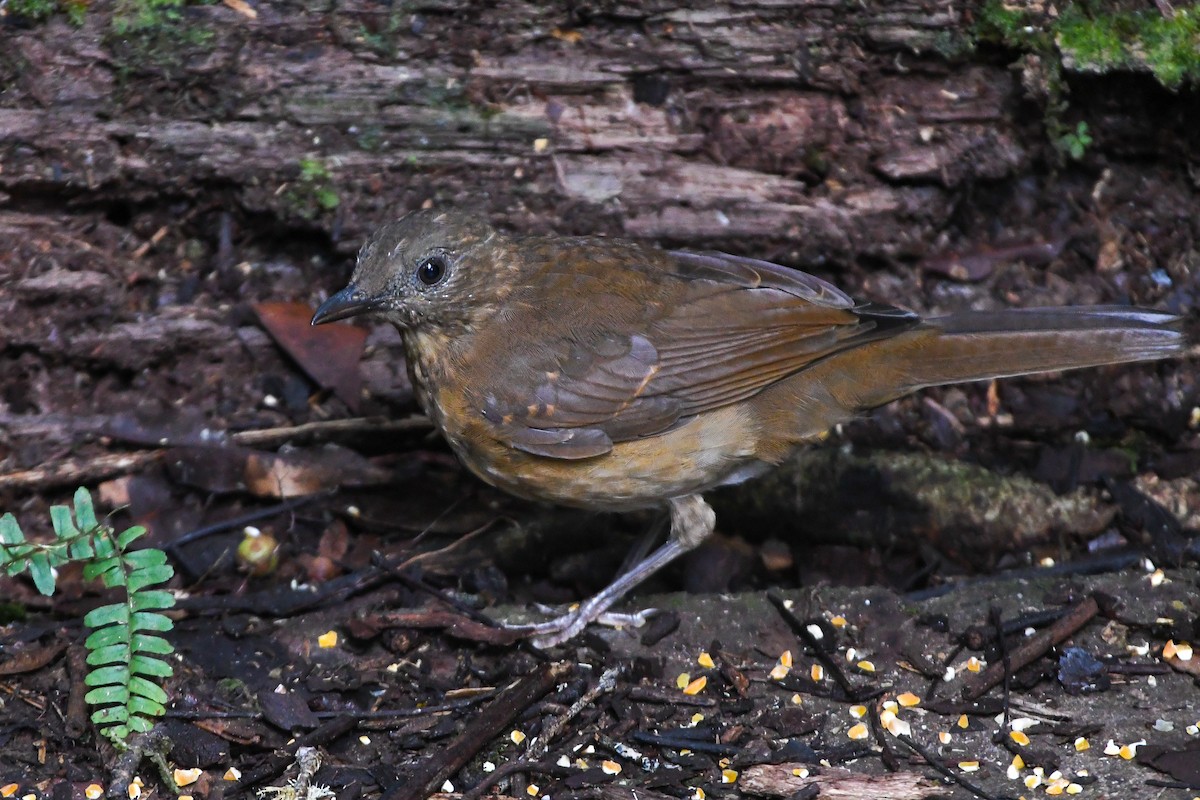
(609, 374)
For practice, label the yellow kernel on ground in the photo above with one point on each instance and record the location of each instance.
(786, 658)
(697, 794)
(1020, 737)
(1183, 651)
(779, 672)
(706, 661)
(1055, 789)
(798, 700)
(969, 766)
(944, 737)
(327, 639)
(886, 716)
(724, 762)
(898, 727)
(908, 700)
(858, 712)
(1082, 744)
(610, 767)
(9, 789)
(532, 790)
(685, 752)
(186, 777)
(134, 790)
(859, 731)
(232, 774)
(580, 763)
(963, 722)
(683, 680)
(1169, 649)
(184, 797)
(516, 737)
(838, 622)
(1128, 751)
(1074, 788)
(93, 791)
(1112, 748)
(1157, 577)
(696, 686)
(817, 672)
(800, 772)
(729, 776)
(866, 666)
(697, 718)
(1018, 762)
(974, 664)
(891, 705)
(540, 145)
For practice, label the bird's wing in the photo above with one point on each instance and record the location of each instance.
(728, 328)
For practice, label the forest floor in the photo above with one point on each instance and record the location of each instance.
(157, 351)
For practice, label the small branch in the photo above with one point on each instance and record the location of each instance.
(435, 770)
(1032, 649)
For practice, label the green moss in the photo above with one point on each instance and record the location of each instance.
(999, 24)
(1095, 44)
(1089, 39)
(39, 10)
(313, 192)
(1172, 47)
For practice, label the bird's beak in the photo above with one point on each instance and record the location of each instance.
(349, 302)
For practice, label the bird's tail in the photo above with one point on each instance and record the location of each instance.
(979, 345)
(971, 346)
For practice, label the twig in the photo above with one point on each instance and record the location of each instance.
(329, 429)
(499, 714)
(1032, 649)
(79, 471)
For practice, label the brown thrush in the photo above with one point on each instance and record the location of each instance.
(612, 375)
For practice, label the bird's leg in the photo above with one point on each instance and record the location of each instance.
(692, 521)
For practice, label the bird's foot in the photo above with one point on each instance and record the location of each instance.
(564, 627)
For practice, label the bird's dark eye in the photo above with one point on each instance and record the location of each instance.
(432, 270)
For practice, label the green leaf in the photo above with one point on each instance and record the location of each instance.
(150, 667)
(64, 526)
(107, 695)
(107, 636)
(147, 689)
(112, 677)
(128, 535)
(145, 707)
(150, 621)
(150, 599)
(81, 549)
(105, 548)
(143, 643)
(17, 559)
(112, 614)
(41, 572)
(10, 531)
(109, 714)
(102, 567)
(112, 654)
(140, 724)
(150, 576)
(117, 734)
(84, 513)
(145, 559)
